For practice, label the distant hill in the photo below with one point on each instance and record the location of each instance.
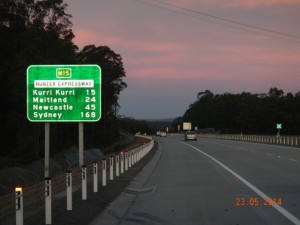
(159, 124)
(170, 120)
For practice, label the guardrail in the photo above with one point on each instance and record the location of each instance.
(267, 139)
(34, 196)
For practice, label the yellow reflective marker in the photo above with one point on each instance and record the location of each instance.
(18, 189)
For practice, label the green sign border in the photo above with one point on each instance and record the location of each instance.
(77, 74)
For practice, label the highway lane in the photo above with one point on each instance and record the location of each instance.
(271, 168)
(211, 181)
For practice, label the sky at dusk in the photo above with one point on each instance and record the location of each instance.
(172, 50)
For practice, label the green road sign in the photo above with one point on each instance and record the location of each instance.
(64, 93)
(279, 126)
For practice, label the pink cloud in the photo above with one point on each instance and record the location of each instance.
(161, 58)
(239, 3)
(213, 57)
(167, 59)
(257, 3)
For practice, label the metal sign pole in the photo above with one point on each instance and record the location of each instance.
(80, 146)
(81, 160)
(47, 178)
(47, 148)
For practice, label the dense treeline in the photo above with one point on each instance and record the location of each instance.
(39, 32)
(134, 126)
(245, 112)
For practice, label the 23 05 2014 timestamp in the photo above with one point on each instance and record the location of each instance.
(254, 201)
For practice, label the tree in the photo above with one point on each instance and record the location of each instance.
(275, 92)
(112, 71)
(134, 126)
(39, 32)
(246, 112)
(32, 32)
(177, 122)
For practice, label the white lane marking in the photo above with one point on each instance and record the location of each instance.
(294, 160)
(280, 209)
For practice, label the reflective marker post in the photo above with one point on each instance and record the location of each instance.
(69, 189)
(126, 161)
(103, 172)
(48, 196)
(138, 153)
(133, 156)
(84, 182)
(122, 162)
(129, 158)
(19, 205)
(111, 168)
(117, 164)
(95, 176)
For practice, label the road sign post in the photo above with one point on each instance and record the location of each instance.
(63, 93)
(279, 127)
(47, 149)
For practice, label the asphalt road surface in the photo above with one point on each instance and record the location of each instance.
(211, 182)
